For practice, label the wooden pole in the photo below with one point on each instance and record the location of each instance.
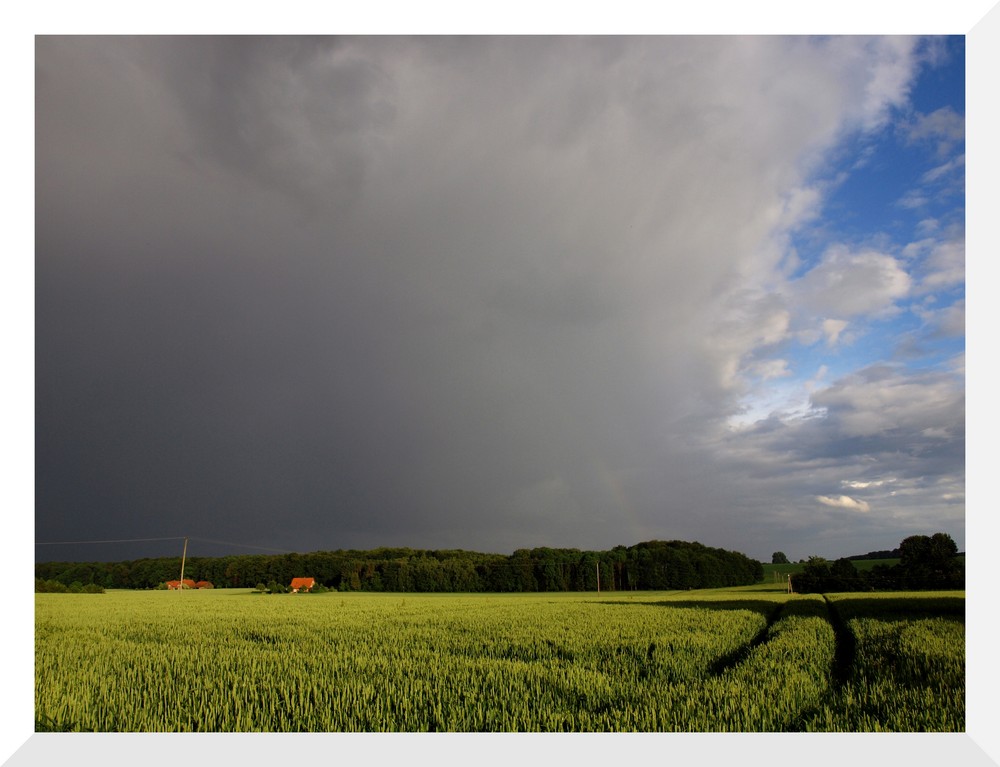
(598, 576)
(183, 557)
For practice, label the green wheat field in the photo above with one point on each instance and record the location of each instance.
(750, 659)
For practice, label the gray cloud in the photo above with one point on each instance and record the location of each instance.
(847, 283)
(477, 292)
(894, 442)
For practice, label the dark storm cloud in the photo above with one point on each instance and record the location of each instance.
(321, 293)
(292, 113)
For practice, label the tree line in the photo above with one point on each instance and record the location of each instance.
(925, 562)
(43, 586)
(651, 565)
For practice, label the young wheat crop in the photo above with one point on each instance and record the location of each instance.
(232, 661)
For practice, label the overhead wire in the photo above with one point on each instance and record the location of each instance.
(169, 538)
(118, 540)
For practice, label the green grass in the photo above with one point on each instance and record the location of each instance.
(743, 659)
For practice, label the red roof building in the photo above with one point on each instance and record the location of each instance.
(204, 585)
(302, 584)
(175, 585)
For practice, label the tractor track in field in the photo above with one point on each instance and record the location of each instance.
(845, 646)
(844, 651)
(740, 654)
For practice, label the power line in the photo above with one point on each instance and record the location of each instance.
(119, 540)
(241, 545)
(493, 564)
(171, 538)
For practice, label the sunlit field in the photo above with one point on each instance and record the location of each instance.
(750, 659)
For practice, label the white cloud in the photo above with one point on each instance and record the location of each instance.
(751, 323)
(943, 132)
(886, 83)
(938, 172)
(957, 364)
(801, 204)
(862, 485)
(850, 283)
(844, 502)
(928, 226)
(832, 330)
(818, 377)
(913, 199)
(945, 265)
(936, 433)
(948, 321)
(944, 127)
(881, 400)
(768, 369)
(937, 263)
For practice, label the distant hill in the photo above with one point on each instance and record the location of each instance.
(893, 554)
(798, 567)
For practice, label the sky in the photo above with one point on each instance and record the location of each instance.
(489, 293)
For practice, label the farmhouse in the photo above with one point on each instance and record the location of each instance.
(204, 585)
(188, 584)
(302, 584)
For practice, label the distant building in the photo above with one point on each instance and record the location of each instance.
(204, 585)
(302, 584)
(175, 585)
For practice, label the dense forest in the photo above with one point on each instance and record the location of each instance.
(648, 565)
(925, 562)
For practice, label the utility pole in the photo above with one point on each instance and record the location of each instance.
(598, 576)
(183, 557)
